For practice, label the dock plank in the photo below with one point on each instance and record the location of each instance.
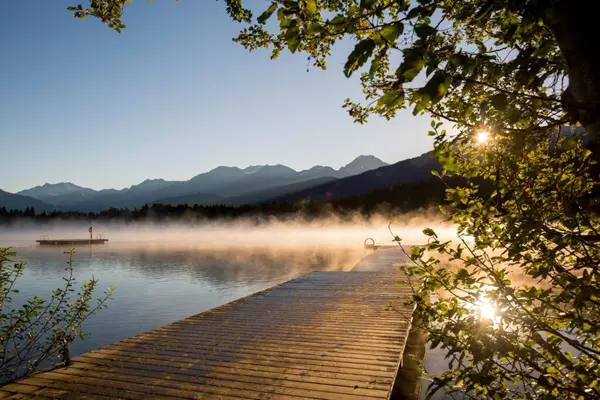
(325, 336)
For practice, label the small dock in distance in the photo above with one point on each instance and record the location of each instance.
(44, 240)
(326, 335)
(58, 242)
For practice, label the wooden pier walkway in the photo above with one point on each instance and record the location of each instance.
(326, 335)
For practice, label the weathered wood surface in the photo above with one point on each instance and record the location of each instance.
(384, 259)
(326, 335)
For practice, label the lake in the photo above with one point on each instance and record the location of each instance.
(157, 285)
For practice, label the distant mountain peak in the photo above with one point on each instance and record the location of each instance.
(54, 189)
(320, 171)
(274, 170)
(366, 159)
(150, 182)
(55, 193)
(362, 163)
(66, 185)
(224, 168)
(252, 169)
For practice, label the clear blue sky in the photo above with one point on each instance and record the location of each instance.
(170, 97)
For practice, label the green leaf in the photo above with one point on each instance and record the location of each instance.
(314, 28)
(551, 370)
(262, 19)
(467, 87)
(428, 231)
(413, 72)
(412, 64)
(311, 6)
(462, 274)
(499, 101)
(353, 11)
(416, 252)
(376, 63)
(430, 69)
(338, 20)
(391, 33)
(568, 144)
(391, 99)
(359, 56)
(292, 36)
(415, 12)
(455, 60)
(435, 88)
(367, 4)
(294, 43)
(284, 13)
(423, 30)
(339, 24)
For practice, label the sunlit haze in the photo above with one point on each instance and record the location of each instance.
(483, 137)
(296, 233)
(170, 97)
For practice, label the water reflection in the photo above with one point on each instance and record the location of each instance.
(156, 286)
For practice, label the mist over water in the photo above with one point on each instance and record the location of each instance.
(332, 231)
(165, 272)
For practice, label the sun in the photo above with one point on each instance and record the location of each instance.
(486, 308)
(482, 137)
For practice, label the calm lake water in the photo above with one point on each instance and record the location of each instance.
(156, 286)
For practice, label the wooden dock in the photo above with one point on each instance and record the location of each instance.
(59, 242)
(46, 241)
(326, 335)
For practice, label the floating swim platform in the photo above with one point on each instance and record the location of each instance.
(58, 242)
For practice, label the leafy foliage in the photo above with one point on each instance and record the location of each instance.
(517, 299)
(479, 60)
(39, 331)
(108, 11)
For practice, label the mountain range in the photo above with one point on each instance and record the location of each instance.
(236, 186)
(13, 201)
(222, 185)
(403, 172)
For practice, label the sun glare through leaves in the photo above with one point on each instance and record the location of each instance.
(482, 137)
